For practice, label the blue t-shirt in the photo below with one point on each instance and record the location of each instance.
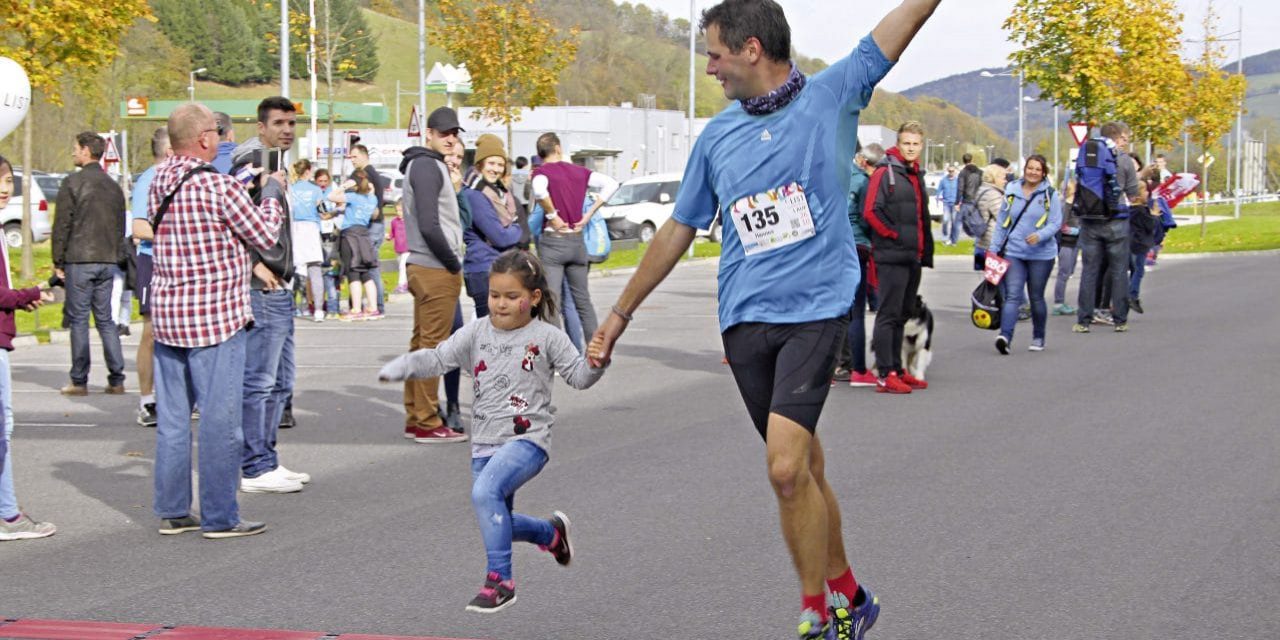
(359, 209)
(810, 141)
(306, 196)
(948, 188)
(138, 203)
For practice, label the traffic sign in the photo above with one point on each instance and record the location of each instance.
(1079, 131)
(415, 129)
(111, 154)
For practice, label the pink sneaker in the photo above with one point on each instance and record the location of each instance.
(374, 315)
(864, 379)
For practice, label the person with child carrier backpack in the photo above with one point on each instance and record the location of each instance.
(1106, 181)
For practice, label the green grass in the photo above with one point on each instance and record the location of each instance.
(625, 258)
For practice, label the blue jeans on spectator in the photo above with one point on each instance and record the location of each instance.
(378, 233)
(1137, 269)
(950, 223)
(330, 293)
(1025, 277)
(213, 378)
(477, 285)
(572, 322)
(89, 288)
(8, 499)
(268, 378)
(493, 497)
(1066, 266)
(853, 352)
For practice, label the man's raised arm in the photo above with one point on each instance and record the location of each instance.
(896, 30)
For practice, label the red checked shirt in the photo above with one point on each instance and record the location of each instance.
(200, 282)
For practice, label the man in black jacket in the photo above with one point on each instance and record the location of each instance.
(901, 243)
(268, 362)
(88, 234)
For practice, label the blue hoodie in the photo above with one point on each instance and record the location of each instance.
(1043, 217)
(223, 162)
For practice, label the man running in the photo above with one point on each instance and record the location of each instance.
(777, 163)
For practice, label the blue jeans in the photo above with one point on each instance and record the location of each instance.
(1025, 277)
(376, 234)
(572, 322)
(493, 498)
(89, 288)
(1066, 266)
(8, 499)
(853, 354)
(477, 285)
(1137, 269)
(330, 293)
(268, 378)
(950, 223)
(213, 378)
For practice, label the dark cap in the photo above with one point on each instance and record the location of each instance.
(444, 119)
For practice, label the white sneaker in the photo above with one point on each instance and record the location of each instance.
(318, 316)
(296, 476)
(270, 482)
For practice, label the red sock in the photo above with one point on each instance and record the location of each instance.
(817, 603)
(844, 585)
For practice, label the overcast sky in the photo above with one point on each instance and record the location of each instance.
(964, 35)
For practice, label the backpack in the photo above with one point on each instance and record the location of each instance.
(971, 220)
(986, 301)
(1097, 192)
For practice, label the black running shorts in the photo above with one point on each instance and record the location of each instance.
(784, 368)
(142, 283)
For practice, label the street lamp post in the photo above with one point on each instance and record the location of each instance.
(191, 88)
(1021, 101)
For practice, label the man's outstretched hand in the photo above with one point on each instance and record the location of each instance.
(600, 351)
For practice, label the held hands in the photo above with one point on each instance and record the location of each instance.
(600, 351)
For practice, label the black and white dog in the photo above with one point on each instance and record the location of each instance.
(917, 340)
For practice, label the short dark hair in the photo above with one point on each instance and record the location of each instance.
(1001, 162)
(967, 158)
(1113, 130)
(532, 276)
(522, 162)
(224, 123)
(93, 142)
(547, 144)
(1044, 164)
(361, 148)
(741, 20)
(279, 103)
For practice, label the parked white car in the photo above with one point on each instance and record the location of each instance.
(11, 217)
(642, 205)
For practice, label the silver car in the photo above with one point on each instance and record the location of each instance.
(12, 215)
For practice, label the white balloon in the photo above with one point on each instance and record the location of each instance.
(15, 96)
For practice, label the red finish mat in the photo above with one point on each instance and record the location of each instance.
(31, 629)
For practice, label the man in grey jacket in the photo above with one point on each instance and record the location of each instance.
(434, 230)
(88, 232)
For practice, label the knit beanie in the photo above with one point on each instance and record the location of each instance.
(487, 146)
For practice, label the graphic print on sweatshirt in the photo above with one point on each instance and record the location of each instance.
(531, 355)
(475, 377)
(519, 404)
(522, 424)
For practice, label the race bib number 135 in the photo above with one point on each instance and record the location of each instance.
(773, 219)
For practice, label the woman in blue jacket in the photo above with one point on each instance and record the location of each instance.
(1025, 234)
(495, 225)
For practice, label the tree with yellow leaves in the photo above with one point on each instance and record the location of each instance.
(54, 39)
(1212, 99)
(1105, 60)
(514, 55)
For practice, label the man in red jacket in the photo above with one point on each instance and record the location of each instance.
(901, 243)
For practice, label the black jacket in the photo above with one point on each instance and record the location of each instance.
(88, 225)
(970, 179)
(898, 211)
(279, 258)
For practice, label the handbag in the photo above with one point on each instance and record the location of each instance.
(596, 235)
(985, 302)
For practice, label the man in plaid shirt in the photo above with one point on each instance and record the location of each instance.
(200, 308)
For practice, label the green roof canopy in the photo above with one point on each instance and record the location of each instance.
(247, 110)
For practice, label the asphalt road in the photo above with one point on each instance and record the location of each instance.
(1115, 486)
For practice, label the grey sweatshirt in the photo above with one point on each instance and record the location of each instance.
(512, 375)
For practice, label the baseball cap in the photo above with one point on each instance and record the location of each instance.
(444, 119)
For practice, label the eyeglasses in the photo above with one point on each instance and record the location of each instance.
(218, 129)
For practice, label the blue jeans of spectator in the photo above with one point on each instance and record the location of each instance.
(853, 353)
(1025, 278)
(1105, 249)
(477, 285)
(1137, 269)
(89, 289)
(950, 223)
(268, 378)
(330, 293)
(213, 378)
(1066, 266)
(378, 233)
(572, 322)
(493, 497)
(8, 499)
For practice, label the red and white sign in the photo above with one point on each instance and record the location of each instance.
(111, 154)
(994, 268)
(1079, 131)
(415, 128)
(1177, 187)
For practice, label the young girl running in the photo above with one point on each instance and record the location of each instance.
(512, 353)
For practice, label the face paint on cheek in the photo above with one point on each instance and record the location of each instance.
(524, 306)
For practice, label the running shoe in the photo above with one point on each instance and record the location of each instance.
(374, 315)
(349, 316)
(892, 384)
(1079, 328)
(242, 529)
(1024, 313)
(174, 526)
(1037, 344)
(561, 548)
(494, 596)
(914, 382)
(853, 624)
(841, 375)
(864, 379)
(812, 626)
(24, 528)
(1064, 310)
(1135, 304)
(1002, 345)
(147, 415)
(1102, 316)
(1122, 327)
